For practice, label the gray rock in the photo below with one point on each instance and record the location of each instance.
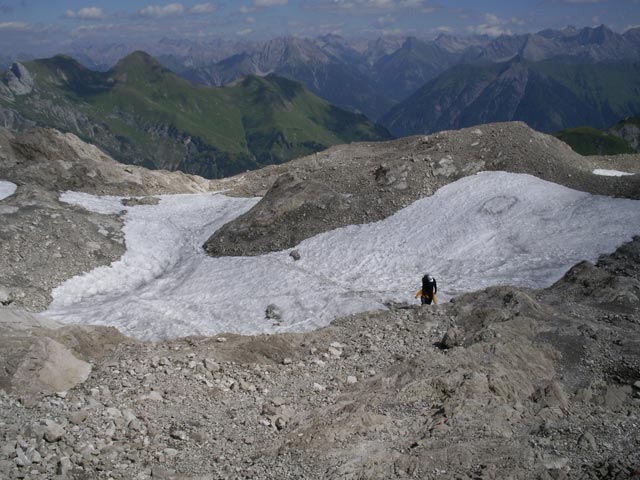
(162, 473)
(453, 338)
(336, 352)
(33, 455)
(6, 467)
(552, 395)
(8, 449)
(154, 396)
(178, 434)
(616, 396)
(200, 437)
(135, 425)
(21, 458)
(113, 412)
(211, 365)
(5, 295)
(53, 431)
(64, 466)
(19, 79)
(37, 363)
(587, 440)
(554, 461)
(135, 201)
(584, 395)
(170, 452)
(273, 312)
(295, 254)
(129, 416)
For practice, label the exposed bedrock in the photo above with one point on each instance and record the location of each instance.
(366, 182)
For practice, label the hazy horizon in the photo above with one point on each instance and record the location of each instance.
(38, 27)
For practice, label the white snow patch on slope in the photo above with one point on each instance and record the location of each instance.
(610, 173)
(7, 189)
(487, 229)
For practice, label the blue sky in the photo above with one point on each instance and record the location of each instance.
(24, 23)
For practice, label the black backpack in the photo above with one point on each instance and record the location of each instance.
(425, 285)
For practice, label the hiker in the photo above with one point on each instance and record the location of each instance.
(429, 289)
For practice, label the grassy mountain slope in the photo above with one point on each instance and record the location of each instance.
(142, 113)
(548, 96)
(623, 137)
(340, 81)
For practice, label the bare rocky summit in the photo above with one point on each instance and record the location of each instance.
(362, 183)
(499, 383)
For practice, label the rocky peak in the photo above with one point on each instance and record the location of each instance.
(138, 62)
(598, 35)
(412, 43)
(19, 80)
(632, 33)
(553, 34)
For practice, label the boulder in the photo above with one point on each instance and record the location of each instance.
(452, 338)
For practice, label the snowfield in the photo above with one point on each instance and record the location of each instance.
(610, 173)
(487, 229)
(7, 189)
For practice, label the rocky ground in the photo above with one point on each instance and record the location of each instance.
(501, 383)
(44, 241)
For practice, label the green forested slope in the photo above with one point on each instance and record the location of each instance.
(142, 113)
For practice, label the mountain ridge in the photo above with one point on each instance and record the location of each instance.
(141, 112)
(375, 81)
(547, 95)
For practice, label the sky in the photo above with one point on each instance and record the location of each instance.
(31, 24)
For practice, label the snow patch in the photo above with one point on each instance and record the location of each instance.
(7, 189)
(610, 173)
(487, 229)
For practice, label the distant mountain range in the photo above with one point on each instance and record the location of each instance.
(369, 76)
(142, 113)
(548, 95)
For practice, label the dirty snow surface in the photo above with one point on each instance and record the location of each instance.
(487, 229)
(7, 189)
(610, 173)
